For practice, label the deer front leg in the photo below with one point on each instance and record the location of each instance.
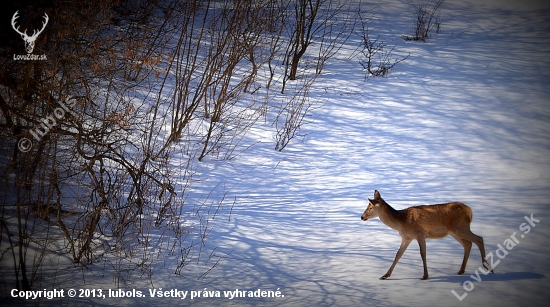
(404, 244)
(422, 244)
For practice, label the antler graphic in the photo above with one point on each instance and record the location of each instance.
(29, 40)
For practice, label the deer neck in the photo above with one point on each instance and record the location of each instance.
(391, 217)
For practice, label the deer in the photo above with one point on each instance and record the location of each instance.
(427, 222)
(29, 40)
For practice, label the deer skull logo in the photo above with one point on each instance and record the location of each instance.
(29, 40)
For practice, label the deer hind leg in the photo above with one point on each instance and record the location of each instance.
(467, 247)
(466, 234)
(404, 244)
(422, 244)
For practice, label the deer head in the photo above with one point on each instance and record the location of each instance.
(29, 40)
(373, 209)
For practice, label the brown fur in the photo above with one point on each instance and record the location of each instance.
(427, 222)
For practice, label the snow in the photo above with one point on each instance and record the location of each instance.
(465, 118)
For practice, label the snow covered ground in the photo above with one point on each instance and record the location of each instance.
(465, 118)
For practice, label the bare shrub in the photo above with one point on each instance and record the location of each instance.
(292, 112)
(426, 20)
(314, 23)
(153, 88)
(377, 59)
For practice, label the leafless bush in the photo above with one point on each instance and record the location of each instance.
(426, 20)
(104, 179)
(154, 87)
(314, 22)
(292, 112)
(377, 59)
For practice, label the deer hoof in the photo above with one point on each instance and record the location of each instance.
(460, 272)
(424, 277)
(383, 277)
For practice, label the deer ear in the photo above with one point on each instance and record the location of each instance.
(377, 195)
